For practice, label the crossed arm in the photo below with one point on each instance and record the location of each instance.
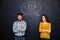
(43, 30)
(16, 29)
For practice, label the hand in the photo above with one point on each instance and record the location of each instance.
(23, 26)
(17, 28)
(46, 31)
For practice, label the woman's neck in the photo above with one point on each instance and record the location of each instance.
(45, 22)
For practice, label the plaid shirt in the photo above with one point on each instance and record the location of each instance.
(22, 28)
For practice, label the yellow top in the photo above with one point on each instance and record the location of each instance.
(45, 30)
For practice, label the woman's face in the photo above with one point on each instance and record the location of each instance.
(43, 19)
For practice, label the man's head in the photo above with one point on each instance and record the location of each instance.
(19, 16)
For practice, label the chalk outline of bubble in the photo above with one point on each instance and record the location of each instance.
(32, 8)
(30, 2)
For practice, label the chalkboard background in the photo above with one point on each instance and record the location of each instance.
(9, 9)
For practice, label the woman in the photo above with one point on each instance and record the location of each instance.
(45, 28)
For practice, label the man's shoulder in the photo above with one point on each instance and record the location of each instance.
(15, 21)
(23, 21)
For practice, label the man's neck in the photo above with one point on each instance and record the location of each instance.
(19, 20)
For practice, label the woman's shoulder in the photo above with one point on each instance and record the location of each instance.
(49, 23)
(41, 22)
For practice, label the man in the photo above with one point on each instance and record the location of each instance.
(19, 27)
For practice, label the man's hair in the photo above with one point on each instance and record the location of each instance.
(20, 14)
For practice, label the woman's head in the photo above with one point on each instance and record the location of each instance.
(44, 18)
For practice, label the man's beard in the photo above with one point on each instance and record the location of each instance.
(19, 20)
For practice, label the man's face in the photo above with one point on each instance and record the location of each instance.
(19, 17)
